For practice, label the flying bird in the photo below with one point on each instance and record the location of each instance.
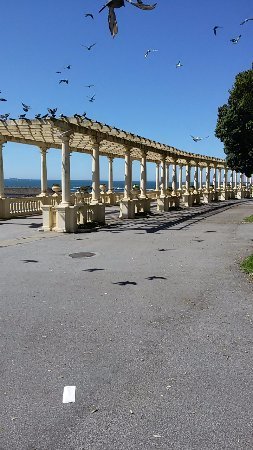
(197, 138)
(3, 100)
(92, 99)
(90, 85)
(142, 5)
(113, 4)
(68, 67)
(246, 20)
(236, 40)
(26, 107)
(22, 116)
(37, 116)
(89, 47)
(149, 51)
(64, 81)
(178, 65)
(45, 116)
(215, 29)
(89, 15)
(112, 20)
(58, 71)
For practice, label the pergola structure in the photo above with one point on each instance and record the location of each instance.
(79, 134)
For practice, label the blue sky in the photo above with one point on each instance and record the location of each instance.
(147, 96)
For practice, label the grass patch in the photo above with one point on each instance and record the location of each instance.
(248, 219)
(247, 265)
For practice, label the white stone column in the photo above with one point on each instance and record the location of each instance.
(225, 179)
(200, 178)
(110, 175)
(187, 178)
(43, 170)
(163, 176)
(65, 174)
(207, 178)
(196, 178)
(174, 179)
(157, 177)
(143, 174)
(127, 189)
(167, 177)
(241, 180)
(231, 180)
(180, 178)
(1, 171)
(95, 193)
(219, 178)
(214, 179)
(235, 179)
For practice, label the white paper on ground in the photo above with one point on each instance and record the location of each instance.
(69, 394)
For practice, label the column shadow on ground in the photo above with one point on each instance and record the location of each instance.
(177, 220)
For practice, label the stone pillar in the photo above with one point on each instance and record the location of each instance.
(1, 171)
(163, 176)
(65, 174)
(127, 189)
(200, 178)
(231, 180)
(235, 179)
(174, 179)
(219, 178)
(207, 179)
(187, 178)
(95, 193)
(43, 171)
(110, 175)
(241, 180)
(214, 179)
(225, 179)
(157, 177)
(167, 177)
(143, 174)
(180, 178)
(196, 178)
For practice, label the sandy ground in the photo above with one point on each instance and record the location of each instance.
(154, 330)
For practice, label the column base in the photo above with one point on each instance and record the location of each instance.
(141, 205)
(207, 197)
(66, 218)
(224, 195)
(188, 199)
(96, 212)
(163, 204)
(127, 209)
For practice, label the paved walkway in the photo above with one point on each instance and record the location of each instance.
(154, 330)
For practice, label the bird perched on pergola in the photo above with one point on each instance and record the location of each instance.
(112, 4)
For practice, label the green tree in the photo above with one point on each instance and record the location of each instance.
(235, 124)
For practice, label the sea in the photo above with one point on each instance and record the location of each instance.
(74, 184)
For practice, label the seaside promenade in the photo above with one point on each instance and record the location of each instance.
(150, 319)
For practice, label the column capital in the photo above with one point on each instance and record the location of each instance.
(96, 139)
(43, 148)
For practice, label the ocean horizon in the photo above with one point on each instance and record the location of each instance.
(74, 184)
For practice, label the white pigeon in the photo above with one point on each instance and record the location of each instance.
(246, 20)
(197, 138)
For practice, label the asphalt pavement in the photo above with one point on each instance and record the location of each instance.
(151, 321)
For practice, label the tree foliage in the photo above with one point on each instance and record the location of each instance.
(235, 124)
